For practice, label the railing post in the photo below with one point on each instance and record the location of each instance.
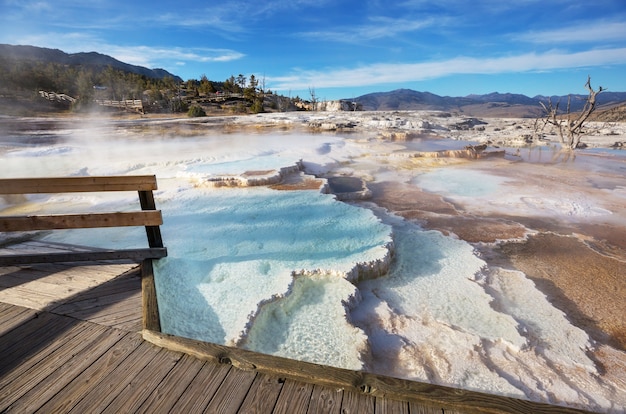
(146, 199)
(148, 297)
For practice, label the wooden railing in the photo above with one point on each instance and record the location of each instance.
(126, 104)
(148, 217)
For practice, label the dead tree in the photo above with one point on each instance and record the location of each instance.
(313, 99)
(570, 126)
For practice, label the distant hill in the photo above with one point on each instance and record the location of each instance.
(489, 105)
(89, 59)
(614, 113)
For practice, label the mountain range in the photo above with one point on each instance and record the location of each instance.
(88, 59)
(493, 104)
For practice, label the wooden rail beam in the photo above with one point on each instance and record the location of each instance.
(135, 255)
(77, 184)
(81, 221)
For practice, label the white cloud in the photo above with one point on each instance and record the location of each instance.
(148, 56)
(379, 27)
(583, 33)
(381, 73)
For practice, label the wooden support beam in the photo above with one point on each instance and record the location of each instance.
(146, 199)
(151, 319)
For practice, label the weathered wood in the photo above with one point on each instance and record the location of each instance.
(135, 255)
(31, 355)
(262, 395)
(153, 232)
(325, 400)
(77, 388)
(36, 333)
(13, 317)
(104, 298)
(100, 396)
(167, 392)
(357, 403)
(122, 316)
(81, 277)
(142, 385)
(230, 395)
(81, 359)
(77, 184)
(372, 384)
(46, 372)
(387, 406)
(8, 281)
(21, 296)
(198, 394)
(150, 306)
(81, 221)
(294, 398)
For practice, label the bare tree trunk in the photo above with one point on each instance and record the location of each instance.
(570, 130)
(313, 99)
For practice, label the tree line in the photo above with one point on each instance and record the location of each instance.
(88, 83)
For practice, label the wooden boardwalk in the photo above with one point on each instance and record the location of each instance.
(71, 342)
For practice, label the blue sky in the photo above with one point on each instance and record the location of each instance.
(344, 49)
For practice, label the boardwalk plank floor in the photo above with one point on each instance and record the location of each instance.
(78, 348)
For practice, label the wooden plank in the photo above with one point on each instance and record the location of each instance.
(102, 394)
(76, 389)
(103, 299)
(117, 318)
(27, 298)
(110, 308)
(18, 385)
(36, 333)
(359, 381)
(53, 289)
(141, 386)
(81, 221)
(98, 273)
(150, 305)
(56, 381)
(425, 409)
(14, 316)
(129, 326)
(325, 400)
(136, 255)
(294, 398)
(263, 395)
(165, 395)
(77, 184)
(79, 278)
(34, 356)
(198, 394)
(388, 406)
(123, 319)
(355, 403)
(232, 392)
